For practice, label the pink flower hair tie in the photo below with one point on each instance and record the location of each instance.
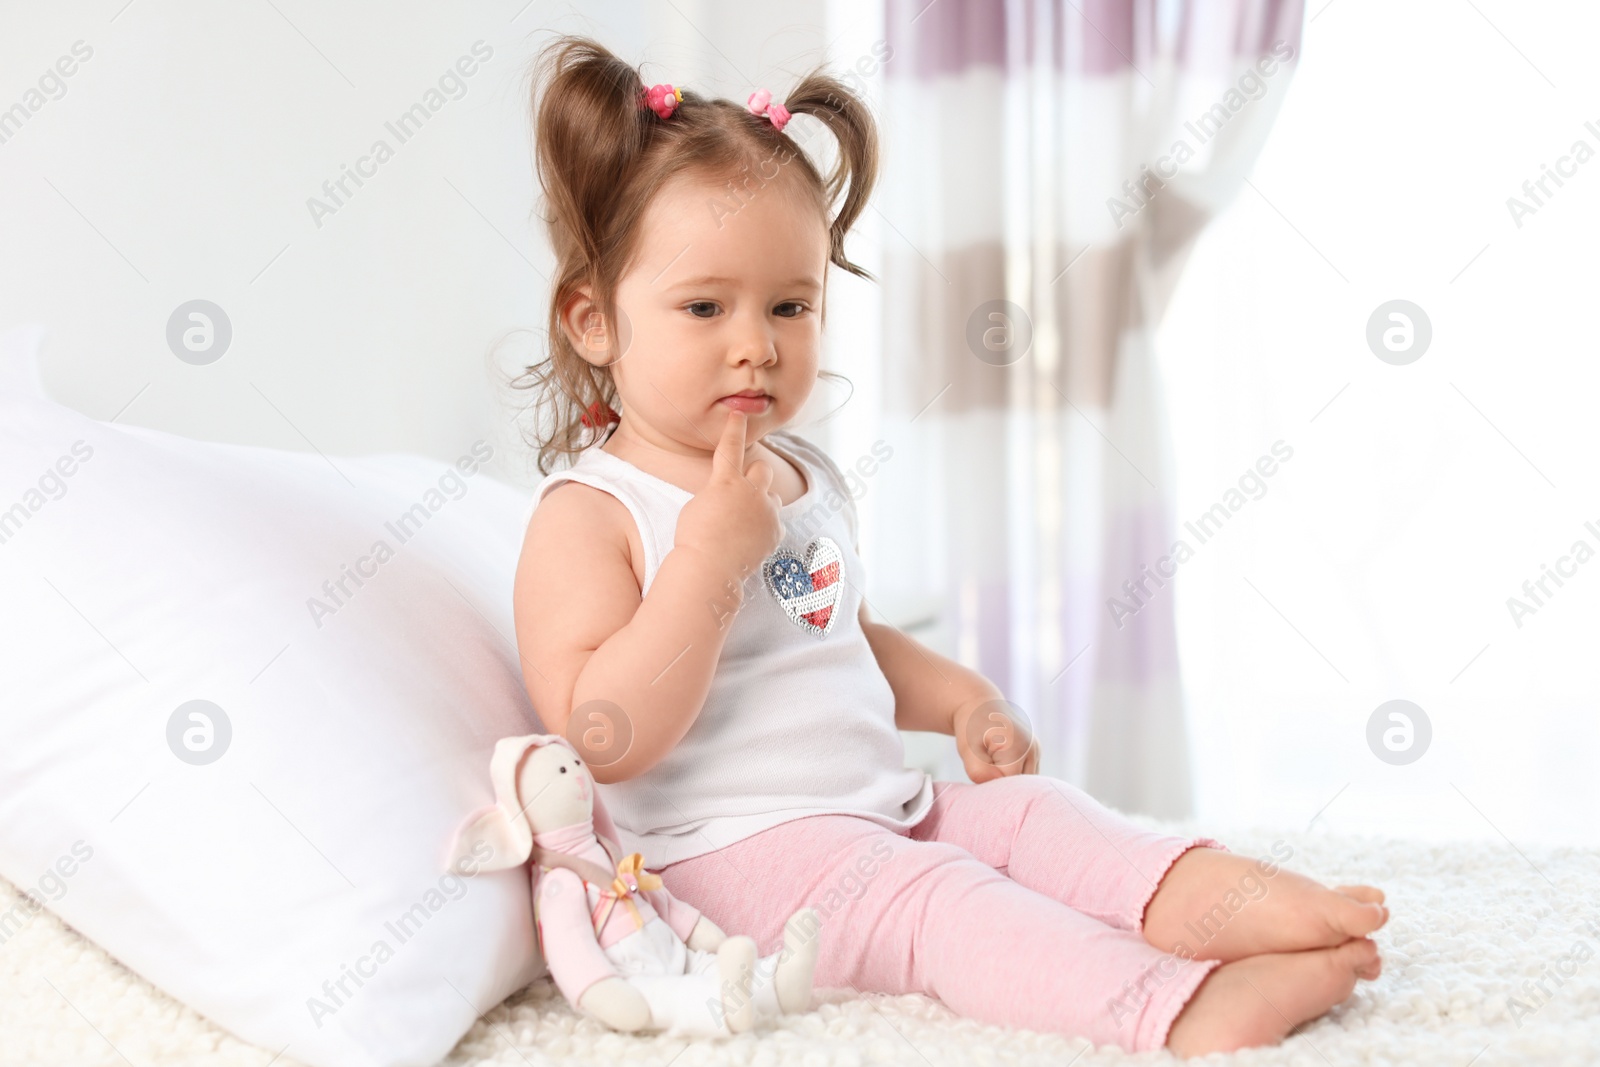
(663, 99)
(760, 103)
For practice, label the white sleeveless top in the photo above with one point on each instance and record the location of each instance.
(799, 719)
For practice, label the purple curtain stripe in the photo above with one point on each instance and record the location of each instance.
(1258, 25)
(936, 38)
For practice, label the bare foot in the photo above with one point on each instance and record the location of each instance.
(1214, 905)
(1257, 1001)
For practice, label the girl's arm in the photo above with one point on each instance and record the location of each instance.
(930, 690)
(937, 694)
(637, 668)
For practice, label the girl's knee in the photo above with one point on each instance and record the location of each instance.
(1018, 787)
(1019, 792)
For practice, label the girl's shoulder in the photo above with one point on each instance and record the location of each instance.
(813, 455)
(592, 483)
(573, 511)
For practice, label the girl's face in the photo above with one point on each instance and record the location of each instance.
(722, 298)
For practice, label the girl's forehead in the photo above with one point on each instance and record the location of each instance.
(696, 226)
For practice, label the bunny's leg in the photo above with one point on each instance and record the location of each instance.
(782, 981)
(698, 994)
(684, 1005)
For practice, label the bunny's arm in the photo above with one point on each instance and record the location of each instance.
(570, 947)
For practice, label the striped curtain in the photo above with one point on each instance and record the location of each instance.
(1048, 167)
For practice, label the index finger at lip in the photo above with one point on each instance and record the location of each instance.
(730, 449)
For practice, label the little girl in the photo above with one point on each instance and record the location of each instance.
(690, 615)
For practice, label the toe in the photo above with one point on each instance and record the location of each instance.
(1365, 893)
(1364, 957)
(1359, 954)
(1357, 919)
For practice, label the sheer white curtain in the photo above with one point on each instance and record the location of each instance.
(1048, 166)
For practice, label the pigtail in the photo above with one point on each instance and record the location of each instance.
(855, 171)
(590, 127)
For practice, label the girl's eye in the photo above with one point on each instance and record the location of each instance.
(799, 309)
(701, 304)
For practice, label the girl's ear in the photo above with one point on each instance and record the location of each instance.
(587, 329)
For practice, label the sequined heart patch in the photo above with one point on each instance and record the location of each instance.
(808, 588)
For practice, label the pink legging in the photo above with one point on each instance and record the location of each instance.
(1016, 902)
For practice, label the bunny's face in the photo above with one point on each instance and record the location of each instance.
(555, 788)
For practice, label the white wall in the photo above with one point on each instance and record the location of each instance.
(178, 161)
(1420, 497)
(177, 164)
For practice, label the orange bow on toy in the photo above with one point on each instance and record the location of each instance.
(631, 878)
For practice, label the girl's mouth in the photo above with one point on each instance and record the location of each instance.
(753, 405)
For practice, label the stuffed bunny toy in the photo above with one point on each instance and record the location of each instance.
(621, 948)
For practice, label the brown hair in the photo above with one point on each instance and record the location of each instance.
(602, 155)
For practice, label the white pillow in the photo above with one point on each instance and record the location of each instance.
(140, 571)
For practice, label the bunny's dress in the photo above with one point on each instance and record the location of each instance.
(641, 939)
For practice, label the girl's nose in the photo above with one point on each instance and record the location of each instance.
(755, 357)
(753, 344)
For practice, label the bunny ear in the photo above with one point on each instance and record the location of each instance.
(501, 828)
(488, 830)
(502, 825)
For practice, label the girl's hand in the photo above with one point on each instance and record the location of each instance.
(994, 739)
(734, 521)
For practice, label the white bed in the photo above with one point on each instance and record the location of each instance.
(1474, 925)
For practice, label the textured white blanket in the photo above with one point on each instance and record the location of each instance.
(1492, 956)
